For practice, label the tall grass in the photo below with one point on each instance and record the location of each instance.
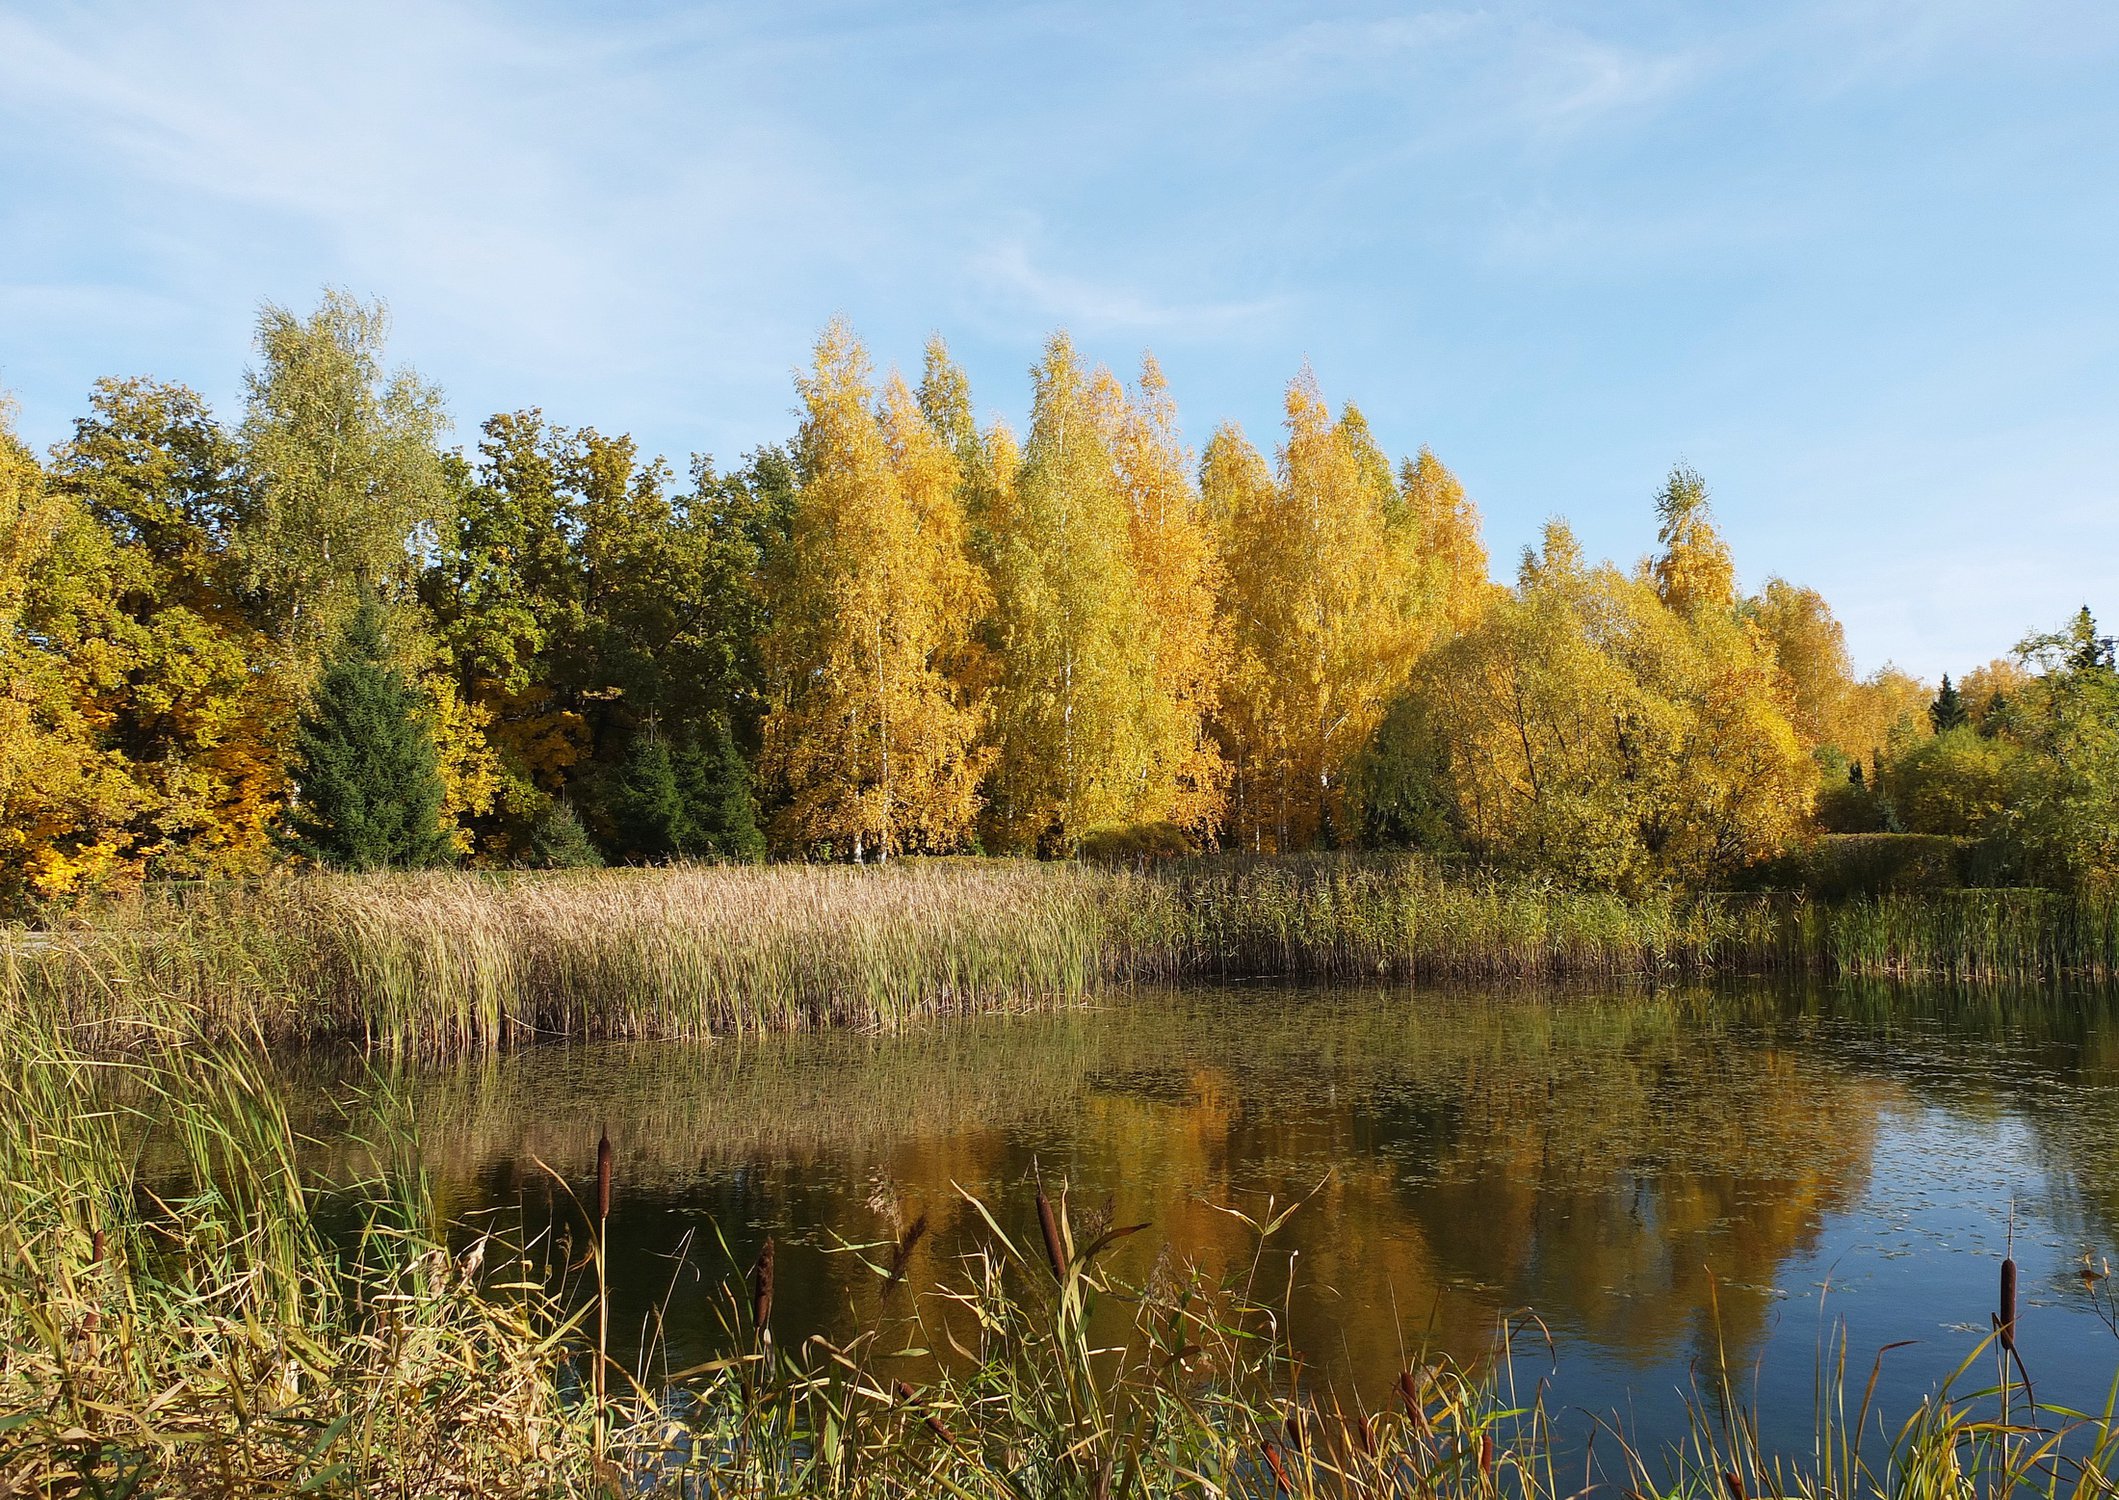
(455, 962)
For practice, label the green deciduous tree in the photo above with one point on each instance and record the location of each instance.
(341, 465)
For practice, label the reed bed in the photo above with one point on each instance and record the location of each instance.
(445, 963)
(198, 1333)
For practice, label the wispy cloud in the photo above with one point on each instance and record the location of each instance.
(1008, 271)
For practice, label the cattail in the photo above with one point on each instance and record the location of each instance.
(1295, 1439)
(1409, 1394)
(761, 1290)
(2005, 1321)
(1272, 1455)
(1055, 1246)
(1364, 1435)
(933, 1423)
(1486, 1455)
(902, 1255)
(603, 1176)
(1735, 1484)
(95, 1248)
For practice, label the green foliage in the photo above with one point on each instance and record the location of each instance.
(1836, 867)
(1847, 803)
(2064, 811)
(642, 804)
(1401, 782)
(688, 800)
(341, 465)
(713, 782)
(559, 842)
(1956, 782)
(368, 783)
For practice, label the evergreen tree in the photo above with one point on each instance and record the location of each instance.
(367, 778)
(2087, 651)
(642, 802)
(559, 842)
(713, 784)
(1947, 712)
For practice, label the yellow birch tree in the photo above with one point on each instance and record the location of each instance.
(872, 745)
(1184, 640)
(1320, 609)
(1071, 694)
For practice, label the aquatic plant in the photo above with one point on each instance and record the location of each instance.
(452, 962)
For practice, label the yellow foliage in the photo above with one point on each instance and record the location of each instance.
(1594, 732)
(1450, 561)
(66, 802)
(875, 747)
(1083, 733)
(1183, 638)
(1321, 607)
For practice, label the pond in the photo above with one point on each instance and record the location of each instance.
(1655, 1176)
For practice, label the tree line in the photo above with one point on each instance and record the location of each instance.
(319, 635)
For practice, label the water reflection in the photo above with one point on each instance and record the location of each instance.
(1653, 1174)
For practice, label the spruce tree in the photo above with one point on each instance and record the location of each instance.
(559, 842)
(642, 802)
(714, 785)
(368, 787)
(1947, 712)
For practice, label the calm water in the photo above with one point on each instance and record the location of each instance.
(1651, 1174)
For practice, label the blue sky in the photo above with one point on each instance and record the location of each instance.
(1858, 261)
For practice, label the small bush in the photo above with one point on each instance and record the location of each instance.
(1136, 843)
(1836, 866)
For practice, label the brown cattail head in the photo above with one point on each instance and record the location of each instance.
(1486, 1455)
(95, 1248)
(1055, 1245)
(1735, 1484)
(603, 1176)
(1280, 1472)
(1295, 1439)
(761, 1290)
(1364, 1436)
(1409, 1393)
(2005, 1320)
(933, 1423)
(901, 1255)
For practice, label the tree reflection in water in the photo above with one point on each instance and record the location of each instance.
(1641, 1170)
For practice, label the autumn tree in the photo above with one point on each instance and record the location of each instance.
(1817, 673)
(1320, 607)
(154, 632)
(1451, 582)
(1694, 571)
(1073, 710)
(1585, 729)
(341, 467)
(1178, 573)
(66, 801)
(869, 743)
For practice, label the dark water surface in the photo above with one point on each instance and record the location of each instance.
(1655, 1176)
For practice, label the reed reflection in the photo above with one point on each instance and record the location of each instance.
(1624, 1165)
